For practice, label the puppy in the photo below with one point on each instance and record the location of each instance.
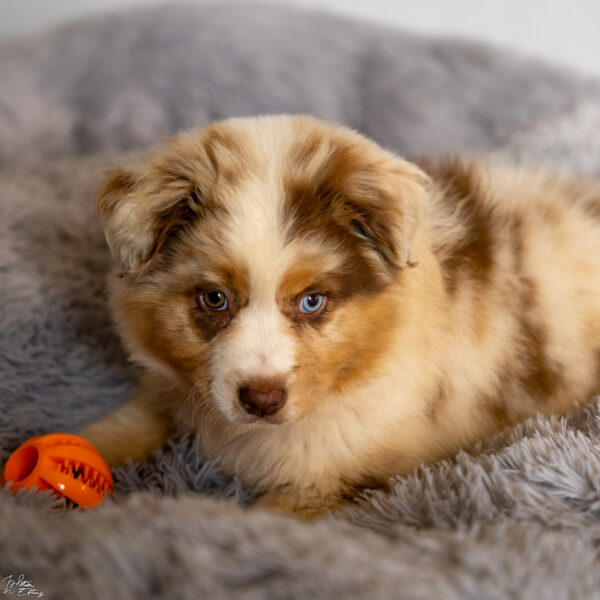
(327, 315)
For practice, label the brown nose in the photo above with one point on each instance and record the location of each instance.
(263, 397)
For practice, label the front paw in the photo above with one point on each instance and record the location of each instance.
(307, 507)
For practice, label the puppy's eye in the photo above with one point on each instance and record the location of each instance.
(311, 303)
(215, 300)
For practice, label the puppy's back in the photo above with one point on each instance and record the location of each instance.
(520, 257)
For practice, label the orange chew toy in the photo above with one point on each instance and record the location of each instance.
(62, 462)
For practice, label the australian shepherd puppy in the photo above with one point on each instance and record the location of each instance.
(327, 315)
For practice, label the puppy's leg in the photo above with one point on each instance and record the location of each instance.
(133, 430)
(307, 503)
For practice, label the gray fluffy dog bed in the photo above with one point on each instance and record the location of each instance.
(517, 518)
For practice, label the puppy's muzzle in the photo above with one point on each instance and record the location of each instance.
(263, 397)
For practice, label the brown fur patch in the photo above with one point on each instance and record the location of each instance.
(517, 232)
(352, 195)
(235, 277)
(592, 207)
(116, 184)
(352, 488)
(309, 216)
(499, 413)
(538, 374)
(164, 311)
(307, 273)
(306, 150)
(169, 223)
(437, 402)
(227, 154)
(347, 349)
(161, 322)
(472, 257)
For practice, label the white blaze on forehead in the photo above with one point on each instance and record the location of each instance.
(260, 344)
(255, 233)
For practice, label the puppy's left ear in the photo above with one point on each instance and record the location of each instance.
(391, 209)
(382, 201)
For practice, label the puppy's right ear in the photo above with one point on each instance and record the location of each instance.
(138, 207)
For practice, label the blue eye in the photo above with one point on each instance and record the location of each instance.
(311, 303)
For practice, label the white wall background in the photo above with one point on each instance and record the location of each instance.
(562, 31)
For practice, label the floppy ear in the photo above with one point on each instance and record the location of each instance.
(382, 201)
(140, 206)
(391, 209)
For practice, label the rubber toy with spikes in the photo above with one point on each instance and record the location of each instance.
(62, 462)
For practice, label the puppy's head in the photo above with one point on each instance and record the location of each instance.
(258, 261)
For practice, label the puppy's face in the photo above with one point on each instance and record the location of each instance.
(260, 261)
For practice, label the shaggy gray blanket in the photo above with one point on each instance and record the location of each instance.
(517, 518)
